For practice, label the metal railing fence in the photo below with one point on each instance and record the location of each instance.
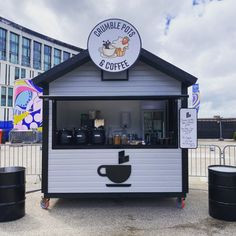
(205, 155)
(200, 158)
(229, 154)
(27, 155)
(30, 156)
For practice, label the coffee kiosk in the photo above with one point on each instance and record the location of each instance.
(111, 121)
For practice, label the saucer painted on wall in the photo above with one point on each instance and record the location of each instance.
(118, 185)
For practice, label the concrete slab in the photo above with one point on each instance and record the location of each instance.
(119, 217)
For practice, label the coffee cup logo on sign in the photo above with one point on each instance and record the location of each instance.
(114, 45)
(117, 174)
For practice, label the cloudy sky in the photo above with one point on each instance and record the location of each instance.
(199, 36)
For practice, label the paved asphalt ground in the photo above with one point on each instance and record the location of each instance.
(126, 217)
(123, 217)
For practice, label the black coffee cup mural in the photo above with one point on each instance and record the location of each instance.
(118, 174)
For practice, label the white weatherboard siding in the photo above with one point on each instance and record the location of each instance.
(143, 81)
(75, 171)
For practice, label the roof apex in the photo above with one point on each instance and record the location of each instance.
(145, 56)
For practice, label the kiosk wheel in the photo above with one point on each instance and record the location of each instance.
(44, 203)
(180, 202)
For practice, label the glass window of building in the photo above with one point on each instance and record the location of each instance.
(37, 55)
(23, 73)
(25, 52)
(57, 56)
(17, 73)
(66, 56)
(47, 57)
(3, 96)
(3, 43)
(14, 48)
(10, 97)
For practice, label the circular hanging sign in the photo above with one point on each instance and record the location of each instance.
(114, 45)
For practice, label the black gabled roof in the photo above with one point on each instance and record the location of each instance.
(83, 57)
(62, 69)
(167, 67)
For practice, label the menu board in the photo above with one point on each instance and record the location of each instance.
(188, 128)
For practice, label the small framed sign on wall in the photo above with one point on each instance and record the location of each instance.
(188, 128)
(119, 76)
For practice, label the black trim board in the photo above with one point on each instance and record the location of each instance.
(185, 181)
(116, 195)
(106, 146)
(106, 98)
(61, 69)
(167, 68)
(45, 143)
(145, 56)
(54, 123)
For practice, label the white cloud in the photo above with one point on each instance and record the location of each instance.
(204, 46)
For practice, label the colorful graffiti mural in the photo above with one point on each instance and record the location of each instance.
(28, 105)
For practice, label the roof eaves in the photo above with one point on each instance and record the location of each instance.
(167, 68)
(83, 57)
(61, 69)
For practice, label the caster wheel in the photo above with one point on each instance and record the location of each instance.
(180, 202)
(44, 203)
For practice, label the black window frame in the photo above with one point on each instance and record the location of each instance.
(172, 122)
(57, 57)
(3, 44)
(23, 73)
(37, 54)
(66, 53)
(4, 96)
(17, 73)
(14, 54)
(47, 61)
(10, 97)
(26, 52)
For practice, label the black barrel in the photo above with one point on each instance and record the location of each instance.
(222, 192)
(12, 193)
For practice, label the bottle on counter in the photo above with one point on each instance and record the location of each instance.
(117, 139)
(124, 139)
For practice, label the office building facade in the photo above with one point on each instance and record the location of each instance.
(24, 54)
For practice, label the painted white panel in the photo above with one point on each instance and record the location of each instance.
(143, 81)
(2, 113)
(12, 75)
(152, 170)
(3, 73)
(75, 171)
